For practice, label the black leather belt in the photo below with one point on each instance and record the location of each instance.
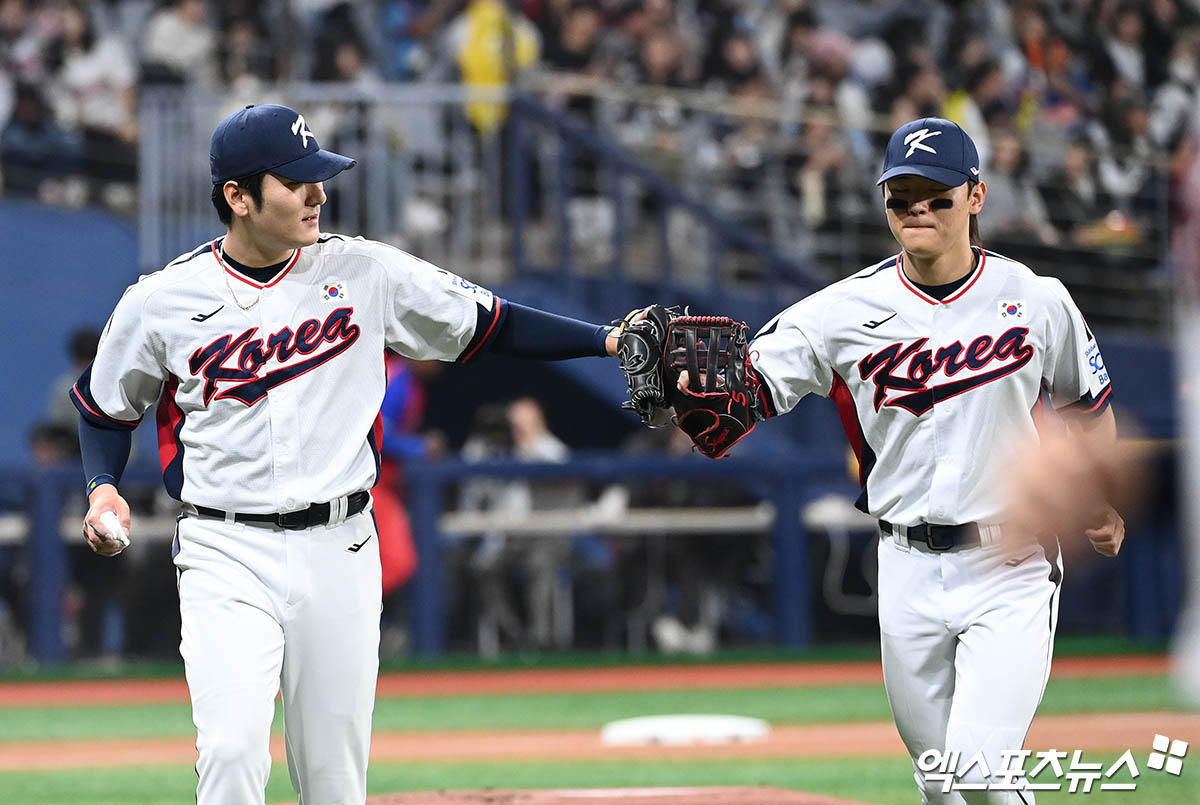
(314, 515)
(937, 537)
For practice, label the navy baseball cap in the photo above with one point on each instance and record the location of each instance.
(270, 138)
(934, 148)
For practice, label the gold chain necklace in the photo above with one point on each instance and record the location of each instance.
(229, 285)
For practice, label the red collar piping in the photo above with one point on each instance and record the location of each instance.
(929, 299)
(238, 276)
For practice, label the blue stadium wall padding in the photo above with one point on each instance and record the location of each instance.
(62, 269)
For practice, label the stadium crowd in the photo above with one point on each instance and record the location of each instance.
(1078, 105)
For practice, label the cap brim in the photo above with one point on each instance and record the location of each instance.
(950, 178)
(316, 167)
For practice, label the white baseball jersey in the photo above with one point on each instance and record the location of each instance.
(271, 393)
(935, 395)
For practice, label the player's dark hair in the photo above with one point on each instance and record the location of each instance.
(252, 184)
(973, 227)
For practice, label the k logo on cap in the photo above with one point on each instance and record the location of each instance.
(915, 141)
(271, 138)
(300, 129)
(951, 159)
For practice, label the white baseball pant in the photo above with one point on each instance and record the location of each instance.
(267, 610)
(967, 642)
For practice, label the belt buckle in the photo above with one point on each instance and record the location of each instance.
(938, 546)
(293, 521)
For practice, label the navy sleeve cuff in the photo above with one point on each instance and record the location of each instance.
(1088, 405)
(488, 324)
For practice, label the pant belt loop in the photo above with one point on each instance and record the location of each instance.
(231, 517)
(899, 536)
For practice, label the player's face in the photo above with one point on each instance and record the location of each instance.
(290, 215)
(927, 218)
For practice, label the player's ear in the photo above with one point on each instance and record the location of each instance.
(975, 197)
(237, 198)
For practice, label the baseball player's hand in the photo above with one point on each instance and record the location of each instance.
(1107, 537)
(612, 342)
(99, 534)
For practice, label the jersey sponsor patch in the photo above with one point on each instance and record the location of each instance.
(1098, 374)
(470, 290)
(333, 290)
(1011, 309)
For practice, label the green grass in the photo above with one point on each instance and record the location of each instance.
(835, 652)
(885, 781)
(585, 710)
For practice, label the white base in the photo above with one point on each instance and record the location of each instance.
(683, 730)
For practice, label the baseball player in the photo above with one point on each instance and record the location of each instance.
(940, 360)
(265, 352)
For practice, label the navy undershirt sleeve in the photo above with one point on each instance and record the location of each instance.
(527, 332)
(105, 452)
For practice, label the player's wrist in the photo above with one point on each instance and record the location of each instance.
(101, 485)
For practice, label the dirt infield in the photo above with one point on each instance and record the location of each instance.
(606, 796)
(1098, 732)
(76, 693)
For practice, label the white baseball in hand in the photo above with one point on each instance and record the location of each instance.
(113, 526)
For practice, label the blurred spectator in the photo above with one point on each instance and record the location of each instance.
(544, 558)
(94, 91)
(791, 66)
(1073, 195)
(818, 172)
(490, 44)
(660, 60)
(574, 44)
(405, 26)
(245, 53)
(1175, 101)
(180, 45)
(696, 586)
(1120, 54)
(1013, 213)
(538, 564)
(95, 624)
(1126, 154)
(81, 348)
(339, 51)
(982, 95)
(35, 151)
(736, 66)
(53, 444)
(490, 439)
(402, 414)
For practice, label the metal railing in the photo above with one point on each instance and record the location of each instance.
(786, 486)
(793, 503)
(677, 190)
(425, 181)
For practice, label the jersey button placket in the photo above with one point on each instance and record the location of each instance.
(943, 483)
